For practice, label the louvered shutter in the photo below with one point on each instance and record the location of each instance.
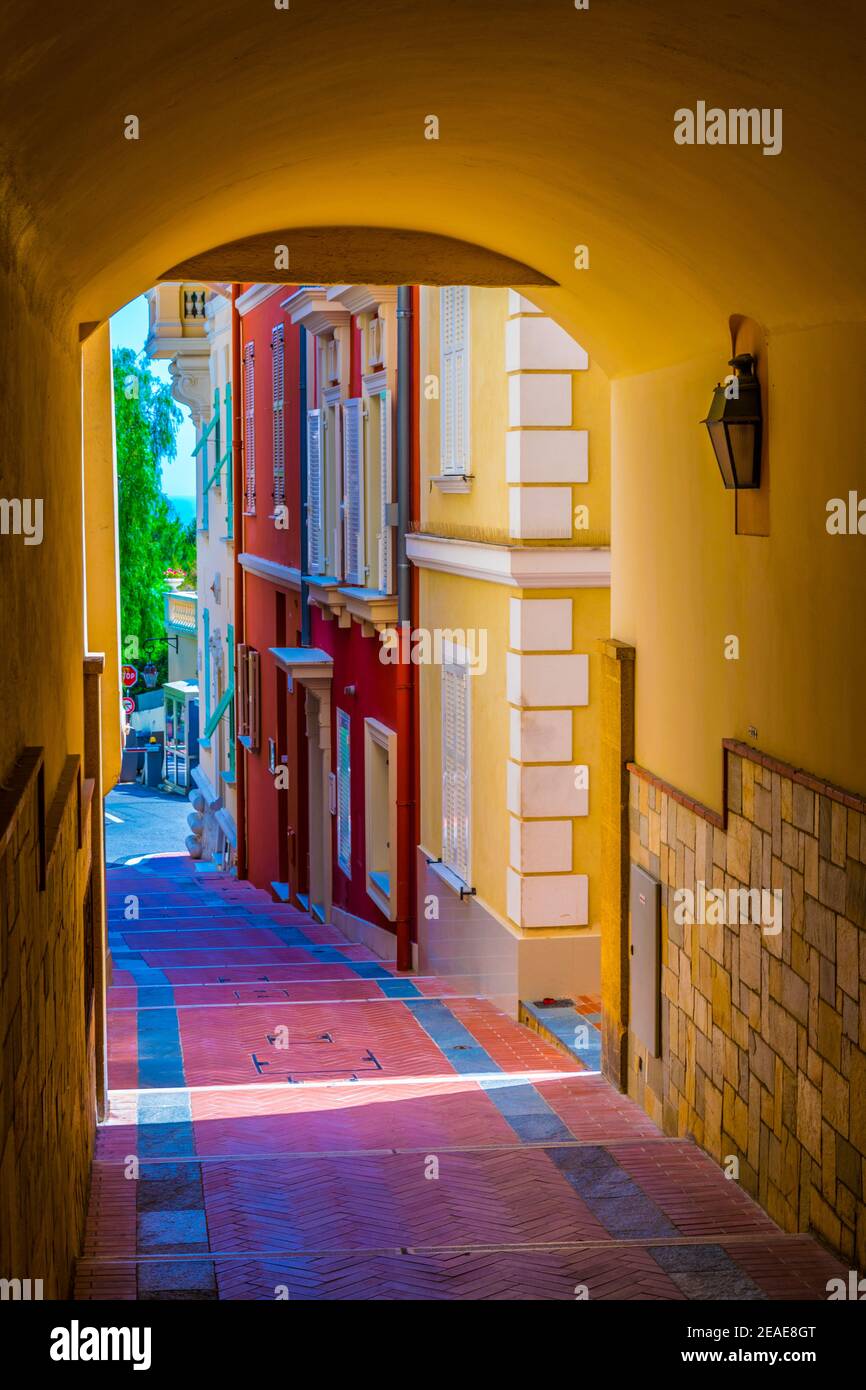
(249, 428)
(332, 453)
(454, 331)
(386, 534)
(456, 770)
(353, 479)
(278, 350)
(242, 689)
(315, 494)
(344, 791)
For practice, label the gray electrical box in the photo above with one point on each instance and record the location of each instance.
(645, 959)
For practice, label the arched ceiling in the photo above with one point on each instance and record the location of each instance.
(555, 125)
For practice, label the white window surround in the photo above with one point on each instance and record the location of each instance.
(380, 741)
(456, 768)
(344, 793)
(455, 380)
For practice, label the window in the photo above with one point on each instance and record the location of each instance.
(247, 696)
(332, 477)
(315, 494)
(456, 769)
(249, 428)
(454, 377)
(279, 375)
(353, 504)
(380, 818)
(344, 792)
(385, 556)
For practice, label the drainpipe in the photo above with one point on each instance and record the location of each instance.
(404, 449)
(302, 410)
(405, 669)
(237, 465)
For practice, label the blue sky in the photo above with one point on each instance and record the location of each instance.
(129, 329)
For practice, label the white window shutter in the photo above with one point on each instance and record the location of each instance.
(250, 427)
(353, 478)
(253, 698)
(332, 472)
(454, 374)
(456, 770)
(241, 689)
(386, 534)
(279, 399)
(344, 794)
(315, 518)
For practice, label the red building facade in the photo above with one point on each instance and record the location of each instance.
(325, 719)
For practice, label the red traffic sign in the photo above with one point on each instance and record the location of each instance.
(128, 704)
(129, 676)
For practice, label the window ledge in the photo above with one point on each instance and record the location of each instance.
(371, 607)
(452, 482)
(379, 896)
(448, 876)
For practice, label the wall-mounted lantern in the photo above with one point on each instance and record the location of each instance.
(734, 425)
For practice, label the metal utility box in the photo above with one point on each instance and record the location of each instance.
(645, 959)
(181, 733)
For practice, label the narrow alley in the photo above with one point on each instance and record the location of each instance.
(290, 1118)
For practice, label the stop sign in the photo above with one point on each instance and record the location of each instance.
(129, 676)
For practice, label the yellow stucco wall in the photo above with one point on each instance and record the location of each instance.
(41, 586)
(683, 581)
(100, 502)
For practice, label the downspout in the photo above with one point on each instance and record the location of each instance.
(238, 533)
(302, 410)
(406, 669)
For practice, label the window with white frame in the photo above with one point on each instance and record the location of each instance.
(456, 768)
(380, 818)
(344, 793)
(385, 534)
(454, 378)
(332, 477)
(353, 498)
(250, 428)
(279, 402)
(315, 494)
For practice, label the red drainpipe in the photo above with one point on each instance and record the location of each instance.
(238, 478)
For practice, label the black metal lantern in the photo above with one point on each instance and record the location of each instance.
(734, 425)
(150, 673)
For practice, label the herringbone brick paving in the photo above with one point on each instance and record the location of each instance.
(290, 1118)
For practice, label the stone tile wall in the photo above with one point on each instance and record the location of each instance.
(764, 1036)
(47, 1103)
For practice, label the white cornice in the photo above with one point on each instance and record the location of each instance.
(283, 575)
(374, 382)
(359, 298)
(317, 311)
(519, 567)
(252, 298)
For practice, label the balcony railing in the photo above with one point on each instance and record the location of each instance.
(181, 612)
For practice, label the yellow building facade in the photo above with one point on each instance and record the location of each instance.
(512, 549)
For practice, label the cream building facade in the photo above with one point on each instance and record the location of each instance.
(512, 549)
(191, 325)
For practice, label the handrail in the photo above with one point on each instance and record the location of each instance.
(29, 769)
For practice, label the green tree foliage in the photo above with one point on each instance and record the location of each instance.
(152, 538)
